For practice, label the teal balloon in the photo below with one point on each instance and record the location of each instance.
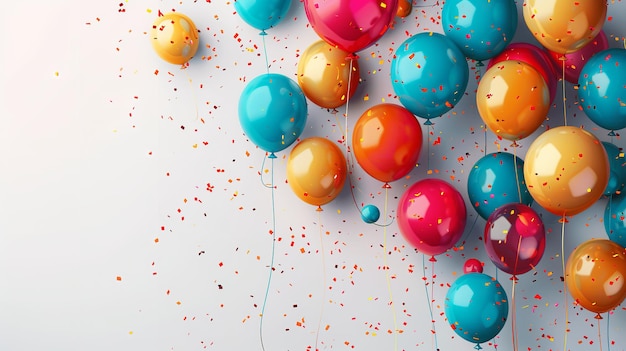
(481, 28)
(494, 181)
(617, 169)
(262, 14)
(601, 89)
(272, 111)
(370, 214)
(429, 74)
(476, 307)
(615, 219)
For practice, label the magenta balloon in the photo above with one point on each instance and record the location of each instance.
(431, 216)
(515, 238)
(350, 25)
(575, 61)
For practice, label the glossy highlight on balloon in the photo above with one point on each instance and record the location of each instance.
(615, 219)
(174, 38)
(617, 169)
(262, 14)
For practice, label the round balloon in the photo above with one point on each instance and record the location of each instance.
(566, 170)
(272, 111)
(174, 38)
(387, 140)
(615, 219)
(316, 170)
(262, 14)
(326, 77)
(370, 214)
(617, 169)
(575, 61)
(481, 29)
(476, 307)
(350, 25)
(429, 74)
(595, 274)
(495, 180)
(601, 89)
(513, 99)
(404, 8)
(564, 26)
(515, 238)
(431, 216)
(473, 265)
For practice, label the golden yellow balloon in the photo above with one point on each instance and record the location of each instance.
(324, 73)
(513, 99)
(564, 26)
(566, 170)
(316, 170)
(174, 38)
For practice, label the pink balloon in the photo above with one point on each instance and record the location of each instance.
(575, 61)
(515, 238)
(350, 25)
(431, 216)
(534, 56)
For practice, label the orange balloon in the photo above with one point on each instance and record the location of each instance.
(564, 26)
(513, 99)
(324, 72)
(566, 170)
(316, 170)
(404, 8)
(595, 275)
(174, 38)
(387, 140)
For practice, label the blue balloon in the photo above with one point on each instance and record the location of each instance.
(615, 219)
(493, 182)
(617, 169)
(601, 89)
(476, 307)
(370, 214)
(272, 111)
(481, 28)
(262, 14)
(429, 74)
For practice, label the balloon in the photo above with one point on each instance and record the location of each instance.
(473, 265)
(566, 170)
(387, 140)
(370, 214)
(481, 28)
(513, 99)
(534, 56)
(262, 14)
(174, 38)
(575, 61)
(429, 74)
(601, 89)
(324, 73)
(404, 8)
(431, 216)
(495, 181)
(617, 169)
(595, 274)
(316, 170)
(272, 111)
(615, 219)
(476, 307)
(350, 25)
(564, 26)
(515, 238)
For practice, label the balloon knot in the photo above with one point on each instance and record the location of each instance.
(611, 133)
(432, 259)
(319, 209)
(263, 32)
(272, 155)
(386, 186)
(352, 56)
(479, 64)
(563, 220)
(514, 278)
(598, 316)
(477, 347)
(428, 123)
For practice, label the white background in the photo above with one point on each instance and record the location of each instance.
(133, 215)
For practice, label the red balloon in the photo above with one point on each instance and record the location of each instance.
(473, 265)
(575, 61)
(515, 238)
(431, 216)
(534, 56)
(350, 25)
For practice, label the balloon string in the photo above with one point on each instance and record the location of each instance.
(563, 90)
(563, 220)
(428, 299)
(519, 191)
(608, 332)
(513, 303)
(599, 336)
(267, 64)
(319, 322)
(388, 279)
(271, 270)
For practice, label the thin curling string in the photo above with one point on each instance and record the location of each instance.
(263, 34)
(430, 307)
(599, 336)
(513, 303)
(388, 279)
(323, 252)
(563, 90)
(519, 191)
(269, 278)
(563, 220)
(608, 331)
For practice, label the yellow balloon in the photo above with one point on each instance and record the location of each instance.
(174, 38)
(513, 99)
(316, 170)
(566, 170)
(324, 73)
(564, 26)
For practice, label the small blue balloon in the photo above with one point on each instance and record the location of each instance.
(615, 219)
(429, 74)
(272, 111)
(494, 181)
(617, 169)
(482, 29)
(476, 307)
(262, 14)
(601, 89)
(370, 214)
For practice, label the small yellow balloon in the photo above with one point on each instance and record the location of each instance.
(564, 26)
(324, 73)
(566, 170)
(316, 170)
(404, 8)
(174, 38)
